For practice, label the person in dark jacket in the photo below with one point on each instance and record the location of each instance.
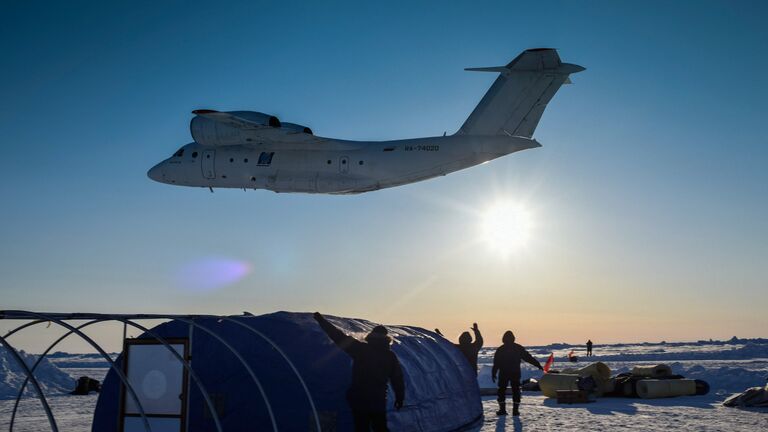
(374, 364)
(506, 362)
(589, 347)
(467, 347)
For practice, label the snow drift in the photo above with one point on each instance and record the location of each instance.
(51, 378)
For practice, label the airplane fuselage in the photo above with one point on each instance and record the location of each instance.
(330, 166)
(254, 150)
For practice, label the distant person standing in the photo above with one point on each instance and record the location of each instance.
(374, 364)
(467, 347)
(589, 348)
(506, 361)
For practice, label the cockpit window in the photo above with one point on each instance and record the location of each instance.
(179, 153)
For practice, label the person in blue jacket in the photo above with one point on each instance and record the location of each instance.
(374, 364)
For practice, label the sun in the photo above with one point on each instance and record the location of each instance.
(506, 227)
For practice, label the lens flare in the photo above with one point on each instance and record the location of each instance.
(506, 227)
(211, 274)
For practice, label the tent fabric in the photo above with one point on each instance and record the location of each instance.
(441, 389)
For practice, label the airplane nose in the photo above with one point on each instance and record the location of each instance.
(156, 173)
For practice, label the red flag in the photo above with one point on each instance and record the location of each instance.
(549, 362)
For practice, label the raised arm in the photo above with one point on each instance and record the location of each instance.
(525, 355)
(345, 342)
(478, 337)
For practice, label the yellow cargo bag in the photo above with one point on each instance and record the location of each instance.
(550, 383)
(655, 371)
(651, 389)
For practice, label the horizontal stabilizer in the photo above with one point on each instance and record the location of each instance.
(536, 59)
(533, 60)
(500, 69)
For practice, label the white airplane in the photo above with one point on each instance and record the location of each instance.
(252, 150)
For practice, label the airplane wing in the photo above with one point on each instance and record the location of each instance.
(217, 128)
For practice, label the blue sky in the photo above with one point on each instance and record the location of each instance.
(649, 194)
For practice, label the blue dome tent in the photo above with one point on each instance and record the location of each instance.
(277, 372)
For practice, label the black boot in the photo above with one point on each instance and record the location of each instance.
(502, 409)
(516, 410)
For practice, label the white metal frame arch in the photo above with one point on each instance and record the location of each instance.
(35, 383)
(97, 347)
(154, 335)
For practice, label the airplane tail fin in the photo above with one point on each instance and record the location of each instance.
(516, 101)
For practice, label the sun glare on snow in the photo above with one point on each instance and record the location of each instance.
(506, 227)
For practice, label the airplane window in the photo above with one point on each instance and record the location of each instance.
(231, 160)
(360, 163)
(343, 161)
(245, 160)
(329, 162)
(194, 154)
(179, 153)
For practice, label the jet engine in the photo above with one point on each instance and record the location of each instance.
(210, 132)
(297, 128)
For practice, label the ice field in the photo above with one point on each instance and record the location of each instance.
(729, 367)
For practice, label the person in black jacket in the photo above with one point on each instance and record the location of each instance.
(467, 347)
(374, 364)
(506, 361)
(589, 348)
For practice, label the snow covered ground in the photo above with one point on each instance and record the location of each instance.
(50, 377)
(690, 413)
(729, 367)
(72, 413)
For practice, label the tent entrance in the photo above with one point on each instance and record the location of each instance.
(159, 382)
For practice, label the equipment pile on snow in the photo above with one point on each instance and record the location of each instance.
(85, 385)
(648, 382)
(752, 397)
